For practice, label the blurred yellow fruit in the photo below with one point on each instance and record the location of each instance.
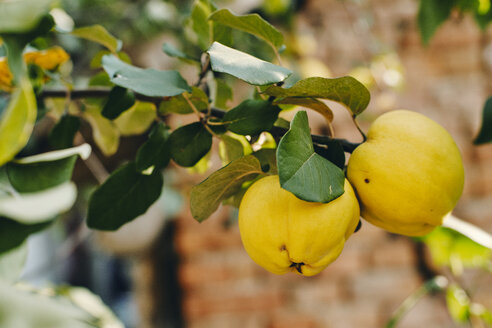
(48, 59)
(408, 174)
(284, 234)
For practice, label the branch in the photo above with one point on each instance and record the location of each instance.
(104, 92)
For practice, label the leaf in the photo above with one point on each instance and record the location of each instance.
(43, 171)
(119, 100)
(199, 22)
(252, 24)
(26, 308)
(22, 15)
(13, 233)
(189, 144)
(206, 197)
(148, 82)
(251, 117)
(137, 119)
(306, 174)
(104, 131)
(230, 149)
(345, 90)
(223, 94)
(98, 34)
(431, 14)
(63, 133)
(12, 262)
(485, 134)
(172, 51)
(179, 105)
(36, 207)
(155, 151)
(17, 122)
(125, 195)
(244, 66)
(458, 304)
(268, 160)
(312, 103)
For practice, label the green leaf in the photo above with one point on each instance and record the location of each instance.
(63, 133)
(137, 119)
(149, 82)
(199, 22)
(22, 15)
(268, 160)
(431, 14)
(312, 103)
(303, 172)
(447, 247)
(125, 195)
(155, 151)
(223, 94)
(13, 233)
(171, 51)
(12, 262)
(179, 105)
(244, 66)
(332, 151)
(39, 206)
(189, 144)
(26, 308)
(206, 197)
(485, 134)
(458, 304)
(345, 90)
(252, 24)
(17, 122)
(251, 117)
(230, 149)
(104, 131)
(119, 100)
(43, 171)
(98, 34)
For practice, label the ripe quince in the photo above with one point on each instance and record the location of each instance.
(408, 175)
(283, 233)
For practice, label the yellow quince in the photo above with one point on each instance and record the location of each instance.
(283, 233)
(408, 175)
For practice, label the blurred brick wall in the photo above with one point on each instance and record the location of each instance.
(449, 82)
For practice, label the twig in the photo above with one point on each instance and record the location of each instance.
(104, 92)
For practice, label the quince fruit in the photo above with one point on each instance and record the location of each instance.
(283, 233)
(408, 175)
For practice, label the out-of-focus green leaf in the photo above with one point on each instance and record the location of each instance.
(43, 171)
(149, 82)
(252, 24)
(104, 131)
(244, 66)
(13, 233)
(346, 90)
(447, 247)
(137, 119)
(125, 195)
(312, 103)
(41, 206)
(458, 304)
(22, 15)
(431, 14)
(12, 262)
(98, 34)
(20, 308)
(63, 133)
(230, 149)
(206, 197)
(485, 134)
(17, 122)
(189, 144)
(223, 94)
(172, 51)
(302, 171)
